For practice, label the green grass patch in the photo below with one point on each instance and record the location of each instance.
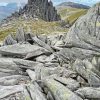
(76, 15)
(37, 27)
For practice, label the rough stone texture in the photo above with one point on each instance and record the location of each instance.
(18, 50)
(69, 83)
(85, 33)
(52, 70)
(88, 72)
(59, 91)
(89, 93)
(9, 40)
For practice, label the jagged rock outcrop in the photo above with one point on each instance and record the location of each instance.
(49, 70)
(37, 9)
(43, 9)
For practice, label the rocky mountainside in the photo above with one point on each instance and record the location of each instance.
(53, 67)
(42, 9)
(73, 5)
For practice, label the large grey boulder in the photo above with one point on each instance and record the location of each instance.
(85, 33)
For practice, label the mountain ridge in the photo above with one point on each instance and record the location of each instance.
(73, 5)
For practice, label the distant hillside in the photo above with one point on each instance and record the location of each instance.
(73, 5)
(70, 11)
(8, 9)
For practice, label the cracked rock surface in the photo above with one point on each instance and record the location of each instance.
(65, 69)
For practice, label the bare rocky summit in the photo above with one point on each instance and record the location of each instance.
(39, 9)
(53, 67)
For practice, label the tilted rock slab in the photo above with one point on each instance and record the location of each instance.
(20, 50)
(59, 91)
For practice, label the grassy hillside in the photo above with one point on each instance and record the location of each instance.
(37, 27)
(40, 26)
(72, 18)
(71, 14)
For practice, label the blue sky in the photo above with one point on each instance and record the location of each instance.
(86, 2)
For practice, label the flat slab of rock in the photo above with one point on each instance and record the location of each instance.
(25, 64)
(36, 53)
(9, 90)
(18, 49)
(13, 80)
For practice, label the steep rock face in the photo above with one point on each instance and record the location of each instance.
(42, 9)
(85, 33)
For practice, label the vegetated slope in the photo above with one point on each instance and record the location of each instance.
(36, 26)
(42, 27)
(73, 5)
(71, 13)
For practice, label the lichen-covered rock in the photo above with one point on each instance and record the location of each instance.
(59, 91)
(85, 33)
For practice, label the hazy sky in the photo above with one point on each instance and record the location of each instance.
(86, 2)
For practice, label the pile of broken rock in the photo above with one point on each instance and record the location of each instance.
(54, 67)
